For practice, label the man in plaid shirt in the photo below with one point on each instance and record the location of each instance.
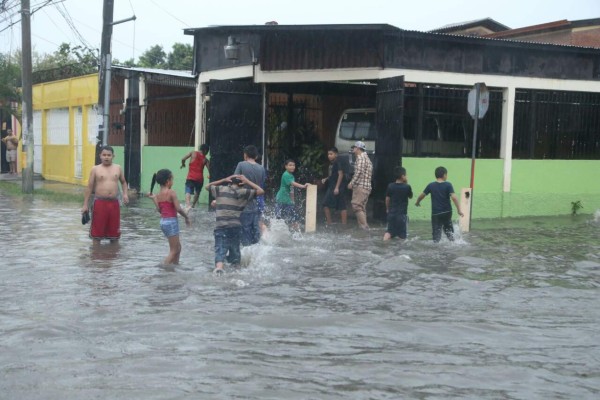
(361, 183)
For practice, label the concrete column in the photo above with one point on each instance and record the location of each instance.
(143, 109)
(199, 128)
(464, 222)
(310, 223)
(506, 143)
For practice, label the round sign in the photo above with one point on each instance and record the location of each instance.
(482, 104)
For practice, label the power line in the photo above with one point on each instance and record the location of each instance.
(34, 9)
(171, 15)
(67, 17)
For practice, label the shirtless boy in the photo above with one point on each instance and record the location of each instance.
(12, 143)
(104, 183)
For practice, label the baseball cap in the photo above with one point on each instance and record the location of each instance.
(360, 145)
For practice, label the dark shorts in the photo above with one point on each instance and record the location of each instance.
(227, 245)
(397, 225)
(286, 212)
(192, 187)
(441, 222)
(335, 202)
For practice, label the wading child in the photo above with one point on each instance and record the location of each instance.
(335, 196)
(195, 176)
(250, 217)
(284, 200)
(396, 205)
(230, 201)
(104, 183)
(168, 206)
(441, 211)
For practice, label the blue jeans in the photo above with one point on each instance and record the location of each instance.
(227, 240)
(250, 228)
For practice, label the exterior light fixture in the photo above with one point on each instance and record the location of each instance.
(233, 49)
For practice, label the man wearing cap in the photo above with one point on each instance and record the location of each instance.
(361, 183)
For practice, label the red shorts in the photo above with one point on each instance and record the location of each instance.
(106, 219)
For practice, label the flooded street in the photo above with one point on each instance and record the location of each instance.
(509, 311)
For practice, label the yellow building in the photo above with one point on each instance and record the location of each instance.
(65, 126)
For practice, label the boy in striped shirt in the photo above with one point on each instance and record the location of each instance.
(230, 201)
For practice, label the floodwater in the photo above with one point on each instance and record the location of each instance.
(508, 311)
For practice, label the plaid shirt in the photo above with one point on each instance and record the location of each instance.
(363, 171)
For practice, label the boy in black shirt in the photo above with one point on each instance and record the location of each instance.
(335, 197)
(396, 205)
(441, 211)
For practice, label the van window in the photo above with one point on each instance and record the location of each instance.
(358, 126)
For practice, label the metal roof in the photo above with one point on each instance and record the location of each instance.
(388, 29)
(275, 28)
(171, 72)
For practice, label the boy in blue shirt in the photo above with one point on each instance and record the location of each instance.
(396, 205)
(441, 210)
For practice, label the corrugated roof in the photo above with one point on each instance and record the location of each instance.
(171, 72)
(522, 43)
(383, 27)
(271, 28)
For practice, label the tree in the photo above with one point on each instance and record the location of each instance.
(154, 57)
(10, 81)
(127, 63)
(64, 63)
(181, 57)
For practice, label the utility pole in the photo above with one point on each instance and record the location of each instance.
(104, 76)
(27, 117)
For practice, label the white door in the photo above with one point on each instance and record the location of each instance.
(78, 143)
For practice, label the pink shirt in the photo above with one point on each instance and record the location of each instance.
(167, 209)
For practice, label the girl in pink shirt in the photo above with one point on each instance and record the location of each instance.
(168, 206)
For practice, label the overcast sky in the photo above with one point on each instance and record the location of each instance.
(162, 21)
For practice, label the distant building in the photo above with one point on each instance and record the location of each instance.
(479, 27)
(582, 33)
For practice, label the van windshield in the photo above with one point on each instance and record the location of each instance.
(358, 126)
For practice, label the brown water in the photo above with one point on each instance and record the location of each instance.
(509, 311)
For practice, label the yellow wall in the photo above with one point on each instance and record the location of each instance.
(58, 161)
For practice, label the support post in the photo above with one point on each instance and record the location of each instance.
(465, 205)
(104, 76)
(27, 177)
(310, 222)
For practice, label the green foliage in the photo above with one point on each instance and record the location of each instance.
(66, 62)
(10, 81)
(127, 63)
(181, 57)
(312, 159)
(575, 206)
(154, 57)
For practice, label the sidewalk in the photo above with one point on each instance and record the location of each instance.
(41, 183)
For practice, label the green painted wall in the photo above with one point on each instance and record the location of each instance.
(539, 187)
(119, 155)
(155, 158)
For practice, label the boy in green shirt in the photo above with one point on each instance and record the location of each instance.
(284, 201)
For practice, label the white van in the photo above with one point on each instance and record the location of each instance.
(356, 124)
(444, 134)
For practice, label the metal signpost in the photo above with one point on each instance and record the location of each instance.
(477, 105)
